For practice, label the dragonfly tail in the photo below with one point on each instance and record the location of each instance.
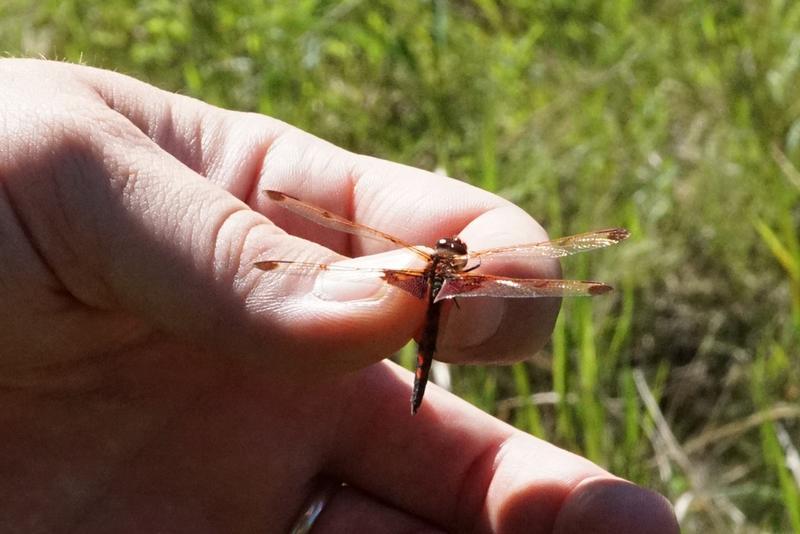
(420, 380)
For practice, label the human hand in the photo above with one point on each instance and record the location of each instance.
(152, 379)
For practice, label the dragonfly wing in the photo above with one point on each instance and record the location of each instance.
(477, 285)
(557, 248)
(409, 280)
(337, 222)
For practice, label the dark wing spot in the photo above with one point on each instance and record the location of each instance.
(266, 265)
(599, 289)
(618, 234)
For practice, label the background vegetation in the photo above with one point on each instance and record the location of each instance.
(677, 119)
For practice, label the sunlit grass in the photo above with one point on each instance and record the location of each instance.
(679, 121)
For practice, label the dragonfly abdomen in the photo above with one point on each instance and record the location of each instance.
(426, 348)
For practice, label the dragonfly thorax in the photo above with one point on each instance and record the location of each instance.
(452, 253)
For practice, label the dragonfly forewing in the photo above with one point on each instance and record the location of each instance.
(331, 220)
(557, 248)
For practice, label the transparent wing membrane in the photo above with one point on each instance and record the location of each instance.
(557, 248)
(409, 280)
(337, 222)
(477, 285)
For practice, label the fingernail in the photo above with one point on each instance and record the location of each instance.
(361, 278)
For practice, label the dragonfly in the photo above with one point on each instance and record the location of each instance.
(449, 272)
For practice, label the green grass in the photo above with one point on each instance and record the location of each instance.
(679, 120)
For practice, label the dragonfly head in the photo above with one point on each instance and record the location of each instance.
(454, 250)
(451, 246)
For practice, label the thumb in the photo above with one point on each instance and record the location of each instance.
(126, 227)
(185, 259)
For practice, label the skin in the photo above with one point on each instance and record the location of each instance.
(152, 379)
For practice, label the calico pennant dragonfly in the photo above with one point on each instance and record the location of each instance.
(448, 272)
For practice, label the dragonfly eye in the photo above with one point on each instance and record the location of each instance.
(451, 245)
